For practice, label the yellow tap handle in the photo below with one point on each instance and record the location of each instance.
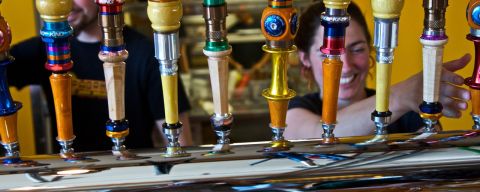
(54, 10)
(278, 94)
(165, 15)
(278, 85)
(387, 9)
(336, 4)
(170, 98)
(384, 73)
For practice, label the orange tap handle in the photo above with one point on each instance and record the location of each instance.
(8, 128)
(278, 110)
(475, 101)
(332, 70)
(62, 89)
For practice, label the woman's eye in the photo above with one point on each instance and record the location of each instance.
(357, 50)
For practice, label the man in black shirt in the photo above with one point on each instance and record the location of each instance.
(144, 107)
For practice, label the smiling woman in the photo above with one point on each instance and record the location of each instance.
(355, 101)
(355, 62)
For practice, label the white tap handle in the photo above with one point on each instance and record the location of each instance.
(218, 68)
(432, 68)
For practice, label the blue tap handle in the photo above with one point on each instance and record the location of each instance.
(7, 105)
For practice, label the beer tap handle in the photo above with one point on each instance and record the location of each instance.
(335, 19)
(8, 107)
(279, 26)
(165, 16)
(217, 50)
(386, 16)
(55, 33)
(433, 40)
(473, 18)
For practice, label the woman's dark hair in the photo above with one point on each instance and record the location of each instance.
(310, 21)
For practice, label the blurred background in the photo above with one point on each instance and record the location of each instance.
(250, 67)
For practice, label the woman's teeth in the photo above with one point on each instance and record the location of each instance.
(346, 79)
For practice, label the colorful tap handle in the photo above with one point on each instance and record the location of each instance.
(113, 54)
(165, 16)
(217, 50)
(8, 107)
(56, 33)
(279, 26)
(473, 18)
(433, 40)
(386, 15)
(335, 19)
(279, 23)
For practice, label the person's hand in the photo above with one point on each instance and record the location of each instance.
(453, 97)
(408, 95)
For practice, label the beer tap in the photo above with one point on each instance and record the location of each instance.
(55, 34)
(473, 18)
(165, 16)
(433, 40)
(386, 15)
(335, 19)
(279, 26)
(217, 50)
(114, 54)
(8, 107)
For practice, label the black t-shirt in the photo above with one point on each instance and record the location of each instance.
(143, 89)
(409, 122)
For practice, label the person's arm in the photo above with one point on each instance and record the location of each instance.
(186, 136)
(352, 120)
(454, 98)
(405, 96)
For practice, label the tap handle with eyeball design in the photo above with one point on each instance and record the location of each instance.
(473, 18)
(279, 26)
(8, 107)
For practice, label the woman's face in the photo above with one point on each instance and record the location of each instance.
(355, 61)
